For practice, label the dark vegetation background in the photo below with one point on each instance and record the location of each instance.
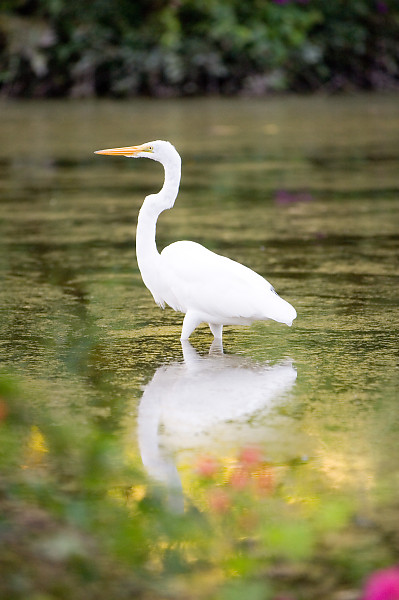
(161, 48)
(78, 519)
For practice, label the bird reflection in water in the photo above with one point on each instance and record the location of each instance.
(186, 401)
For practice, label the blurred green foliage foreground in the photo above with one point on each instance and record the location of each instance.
(79, 520)
(186, 47)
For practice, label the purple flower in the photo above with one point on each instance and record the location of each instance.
(286, 197)
(382, 585)
(290, 1)
(382, 7)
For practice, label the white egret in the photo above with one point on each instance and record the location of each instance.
(205, 286)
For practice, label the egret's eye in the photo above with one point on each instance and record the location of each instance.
(149, 149)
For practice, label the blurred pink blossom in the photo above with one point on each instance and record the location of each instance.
(240, 479)
(250, 456)
(382, 585)
(219, 502)
(206, 466)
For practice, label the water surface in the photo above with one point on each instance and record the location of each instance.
(303, 190)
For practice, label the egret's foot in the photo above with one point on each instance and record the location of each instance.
(216, 348)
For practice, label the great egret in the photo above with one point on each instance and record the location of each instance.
(186, 276)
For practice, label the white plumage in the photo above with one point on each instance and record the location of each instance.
(205, 286)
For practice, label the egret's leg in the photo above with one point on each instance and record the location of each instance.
(216, 348)
(216, 330)
(191, 321)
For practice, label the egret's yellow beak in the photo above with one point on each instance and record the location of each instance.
(126, 150)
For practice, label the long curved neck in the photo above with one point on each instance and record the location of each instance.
(146, 249)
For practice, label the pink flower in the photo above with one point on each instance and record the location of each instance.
(219, 501)
(250, 456)
(265, 480)
(240, 479)
(382, 585)
(206, 466)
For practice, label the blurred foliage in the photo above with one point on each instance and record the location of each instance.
(79, 519)
(185, 47)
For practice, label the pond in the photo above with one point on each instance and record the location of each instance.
(305, 191)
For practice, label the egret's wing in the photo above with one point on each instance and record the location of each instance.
(202, 280)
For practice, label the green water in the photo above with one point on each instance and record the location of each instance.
(303, 190)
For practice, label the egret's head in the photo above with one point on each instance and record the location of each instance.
(158, 150)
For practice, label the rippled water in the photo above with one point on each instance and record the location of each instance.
(303, 190)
